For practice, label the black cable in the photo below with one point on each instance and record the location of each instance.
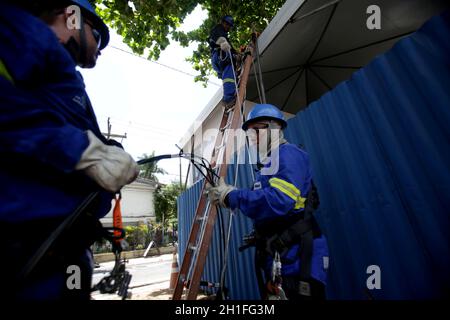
(157, 158)
(189, 156)
(196, 165)
(68, 222)
(55, 235)
(205, 163)
(223, 247)
(222, 238)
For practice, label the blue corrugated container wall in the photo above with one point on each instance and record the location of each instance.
(380, 150)
(240, 276)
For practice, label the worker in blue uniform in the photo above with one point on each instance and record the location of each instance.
(223, 55)
(52, 153)
(281, 204)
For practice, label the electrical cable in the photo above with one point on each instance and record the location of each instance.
(33, 261)
(161, 64)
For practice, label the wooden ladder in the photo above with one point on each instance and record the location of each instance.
(205, 215)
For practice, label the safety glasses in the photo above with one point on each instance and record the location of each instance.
(253, 132)
(257, 127)
(97, 36)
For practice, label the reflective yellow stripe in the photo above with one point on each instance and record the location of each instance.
(290, 190)
(228, 80)
(4, 72)
(300, 203)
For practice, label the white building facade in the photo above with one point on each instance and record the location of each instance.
(137, 203)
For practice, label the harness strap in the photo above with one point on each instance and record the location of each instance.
(294, 234)
(306, 251)
(295, 229)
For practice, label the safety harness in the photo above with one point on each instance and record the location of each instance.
(274, 237)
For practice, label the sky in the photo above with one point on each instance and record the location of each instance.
(154, 105)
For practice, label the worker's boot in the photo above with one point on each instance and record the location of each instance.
(229, 106)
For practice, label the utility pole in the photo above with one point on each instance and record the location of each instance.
(181, 179)
(110, 135)
(109, 128)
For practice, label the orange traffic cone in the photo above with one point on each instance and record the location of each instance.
(175, 270)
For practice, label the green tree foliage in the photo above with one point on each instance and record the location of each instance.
(149, 170)
(137, 237)
(166, 204)
(152, 24)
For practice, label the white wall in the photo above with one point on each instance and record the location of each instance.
(204, 140)
(137, 204)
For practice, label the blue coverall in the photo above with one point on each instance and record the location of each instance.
(221, 63)
(44, 113)
(279, 194)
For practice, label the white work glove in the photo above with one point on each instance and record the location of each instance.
(218, 194)
(223, 43)
(109, 166)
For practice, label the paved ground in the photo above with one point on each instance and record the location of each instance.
(150, 278)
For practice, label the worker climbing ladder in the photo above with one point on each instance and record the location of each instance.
(201, 232)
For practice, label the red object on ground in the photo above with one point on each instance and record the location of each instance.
(175, 270)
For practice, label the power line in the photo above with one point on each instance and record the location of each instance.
(132, 132)
(154, 132)
(161, 64)
(139, 124)
(143, 127)
(173, 174)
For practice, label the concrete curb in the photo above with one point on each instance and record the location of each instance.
(106, 257)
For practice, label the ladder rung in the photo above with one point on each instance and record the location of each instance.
(230, 119)
(220, 147)
(229, 110)
(225, 127)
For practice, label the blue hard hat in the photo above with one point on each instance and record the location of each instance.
(229, 20)
(89, 12)
(264, 112)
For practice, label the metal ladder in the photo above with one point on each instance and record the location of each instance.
(194, 258)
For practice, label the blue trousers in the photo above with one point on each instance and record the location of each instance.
(221, 63)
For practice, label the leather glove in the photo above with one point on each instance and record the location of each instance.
(109, 166)
(223, 43)
(218, 194)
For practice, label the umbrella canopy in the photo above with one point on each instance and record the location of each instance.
(322, 42)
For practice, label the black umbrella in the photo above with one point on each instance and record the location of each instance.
(322, 42)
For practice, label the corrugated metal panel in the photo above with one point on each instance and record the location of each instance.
(379, 146)
(240, 276)
(186, 206)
